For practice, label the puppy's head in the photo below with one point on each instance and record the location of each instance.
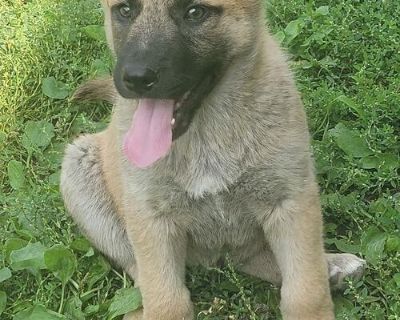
(171, 53)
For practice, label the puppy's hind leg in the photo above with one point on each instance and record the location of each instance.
(90, 204)
(264, 266)
(341, 266)
(344, 266)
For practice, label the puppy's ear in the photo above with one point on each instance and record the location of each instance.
(95, 90)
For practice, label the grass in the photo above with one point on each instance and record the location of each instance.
(347, 61)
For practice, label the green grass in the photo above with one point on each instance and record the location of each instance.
(347, 61)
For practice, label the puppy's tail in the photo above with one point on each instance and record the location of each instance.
(97, 89)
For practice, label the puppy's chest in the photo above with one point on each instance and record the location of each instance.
(220, 221)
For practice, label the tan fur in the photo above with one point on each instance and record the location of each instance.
(240, 180)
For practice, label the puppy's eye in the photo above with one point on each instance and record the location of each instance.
(196, 13)
(125, 11)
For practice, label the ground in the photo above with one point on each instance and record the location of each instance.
(347, 62)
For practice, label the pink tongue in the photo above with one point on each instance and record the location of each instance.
(150, 135)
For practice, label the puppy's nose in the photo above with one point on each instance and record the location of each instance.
(139, 79)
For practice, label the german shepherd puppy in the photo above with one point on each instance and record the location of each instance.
(207, 152)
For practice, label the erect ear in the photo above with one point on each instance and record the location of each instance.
(95, 90)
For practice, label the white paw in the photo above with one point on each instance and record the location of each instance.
(342, 266)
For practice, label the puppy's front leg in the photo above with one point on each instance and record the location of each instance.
(160, 251)
(294, 231)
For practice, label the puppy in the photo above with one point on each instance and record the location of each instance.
(207, 152)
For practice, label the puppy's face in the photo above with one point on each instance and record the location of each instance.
(177, 49)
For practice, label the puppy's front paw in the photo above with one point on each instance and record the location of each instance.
(135, 315)
(168, 315)
(342, 266)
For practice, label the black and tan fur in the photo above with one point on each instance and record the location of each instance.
(239, 179)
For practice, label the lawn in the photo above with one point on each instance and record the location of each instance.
(346, 56)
